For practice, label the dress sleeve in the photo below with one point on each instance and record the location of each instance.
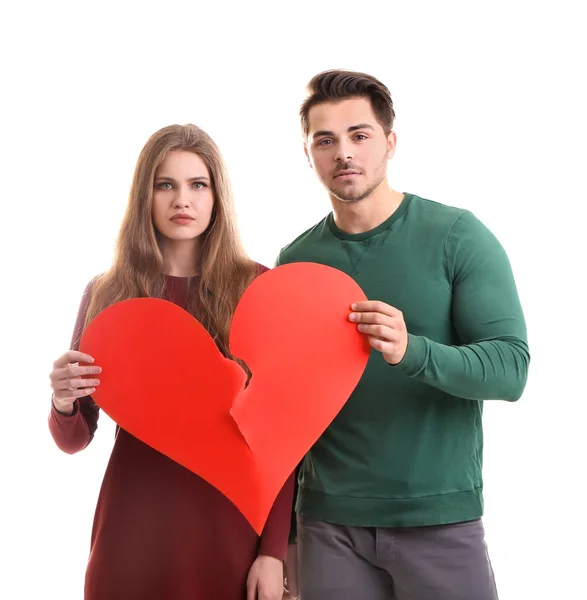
(275, 535)
(74, 432)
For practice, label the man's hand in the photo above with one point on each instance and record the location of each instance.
(265, 580)
(385, 327)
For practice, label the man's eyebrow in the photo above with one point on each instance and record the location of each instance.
(322, 132)
(360, 126)
(325, 132)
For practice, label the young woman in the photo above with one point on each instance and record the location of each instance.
(160, 531)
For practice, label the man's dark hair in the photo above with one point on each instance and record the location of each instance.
(335, 85)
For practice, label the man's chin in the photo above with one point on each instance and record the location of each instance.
(347, 196)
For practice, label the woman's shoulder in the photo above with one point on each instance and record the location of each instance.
(261, 269)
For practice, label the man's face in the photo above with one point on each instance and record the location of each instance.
(348, 148)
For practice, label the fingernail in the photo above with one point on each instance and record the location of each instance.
(353, 317)
(354, 306)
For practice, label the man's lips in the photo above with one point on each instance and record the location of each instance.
(345, 173)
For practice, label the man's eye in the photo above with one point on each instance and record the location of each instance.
(325, 142)
(360, 137)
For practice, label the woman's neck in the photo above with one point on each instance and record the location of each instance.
(180, 257)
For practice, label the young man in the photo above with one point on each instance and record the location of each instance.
(390, 498)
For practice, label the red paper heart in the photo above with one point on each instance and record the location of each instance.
(164, 381)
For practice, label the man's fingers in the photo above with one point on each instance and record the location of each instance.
(72, 356)
(380, 331)
(370, 317)
(379, 344)
(375, 306)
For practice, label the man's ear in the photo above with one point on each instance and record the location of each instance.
(391, 144)
(308, 155)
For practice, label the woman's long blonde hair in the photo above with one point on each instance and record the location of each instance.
(137, 269)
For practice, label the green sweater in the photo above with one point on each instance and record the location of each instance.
(407, 448)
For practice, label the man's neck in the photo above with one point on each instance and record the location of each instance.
(366, 214)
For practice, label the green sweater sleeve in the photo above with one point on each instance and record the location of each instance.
(491, 360)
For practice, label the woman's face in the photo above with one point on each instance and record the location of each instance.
(182, 197)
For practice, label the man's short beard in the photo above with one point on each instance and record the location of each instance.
(352, 197)
(355, 197)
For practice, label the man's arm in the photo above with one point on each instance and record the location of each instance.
(493, 358)
(490, 360)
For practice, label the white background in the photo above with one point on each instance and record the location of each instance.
(491, 107)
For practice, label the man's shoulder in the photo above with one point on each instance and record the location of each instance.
(455, 225)
(291, 251)
(438, 211)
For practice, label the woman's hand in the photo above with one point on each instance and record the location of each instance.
(69, 381)
(265, 580)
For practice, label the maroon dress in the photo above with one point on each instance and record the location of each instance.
(161, 532)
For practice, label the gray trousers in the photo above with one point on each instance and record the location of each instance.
(445, 562)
